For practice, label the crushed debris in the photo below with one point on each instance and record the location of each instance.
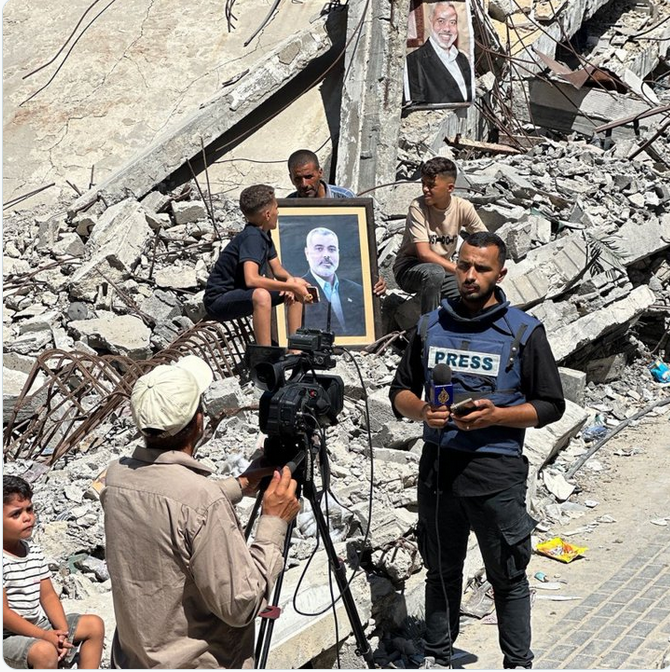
(563, 155)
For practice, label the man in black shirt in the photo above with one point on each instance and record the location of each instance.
(472, 473)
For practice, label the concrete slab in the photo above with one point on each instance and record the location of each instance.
(133, 73)
(217, 115)
(575, 335)
(299, 638)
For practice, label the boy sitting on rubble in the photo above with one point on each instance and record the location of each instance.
(237, 285)
(36, 631)
(435, 220)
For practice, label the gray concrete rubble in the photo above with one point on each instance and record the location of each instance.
(367, 153)
(568, 169)
(574, 202)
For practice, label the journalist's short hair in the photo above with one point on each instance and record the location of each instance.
(439, 165)
(256, 198)
(485, 239)
(15, 486)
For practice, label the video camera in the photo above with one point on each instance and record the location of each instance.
(296, 400)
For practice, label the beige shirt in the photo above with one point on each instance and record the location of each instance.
(439, 228)
(186, 587)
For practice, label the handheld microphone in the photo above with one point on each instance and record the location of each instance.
(441, 387)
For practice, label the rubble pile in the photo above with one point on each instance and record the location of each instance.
(586, 218)
(588, 233)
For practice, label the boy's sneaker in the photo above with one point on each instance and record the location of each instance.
(429, 663)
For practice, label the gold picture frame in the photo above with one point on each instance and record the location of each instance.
(356, 321)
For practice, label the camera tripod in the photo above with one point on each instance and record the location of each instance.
(302, 468)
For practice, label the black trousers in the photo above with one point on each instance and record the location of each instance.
(503, 528)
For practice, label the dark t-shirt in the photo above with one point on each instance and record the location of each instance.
(472, 474)
(251, 244)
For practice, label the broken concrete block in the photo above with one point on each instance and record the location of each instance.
(399, 435)
(40, 322)
(574, 384)
(224, 394)
(381, 413)
(554, 315)
(391, 525)
(546, 271)
(178, 276)
(12, 266)
(634, 241)
(557, 485)
(500, 10)
(161, 306)
(158, 221)
(165, 332)
(31, 343)
(520, 237)
(589, 328)
(13, 382)
(541, 445)
(70, 244)
(194, 308)
(155, 202)
(115, 247)
(120, 335)
(13, 360)
(398, 456)
(188, 211)
(606, 369)
(494, 215)
(524, 289)
(48, 233)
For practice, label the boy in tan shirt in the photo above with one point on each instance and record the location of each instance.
(434, 221)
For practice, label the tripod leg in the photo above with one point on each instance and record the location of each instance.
(363, 645)
(267, 624)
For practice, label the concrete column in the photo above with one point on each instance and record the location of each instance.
(372, 93)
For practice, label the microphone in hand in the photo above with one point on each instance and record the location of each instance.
(441, 387)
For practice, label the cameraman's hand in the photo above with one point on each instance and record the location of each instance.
(253, 475)
(279, 498)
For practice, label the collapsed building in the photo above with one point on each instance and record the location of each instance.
(563, 154)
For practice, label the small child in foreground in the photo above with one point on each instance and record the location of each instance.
(36, 631)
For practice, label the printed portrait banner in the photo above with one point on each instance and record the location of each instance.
(439, 67)
(330, 242)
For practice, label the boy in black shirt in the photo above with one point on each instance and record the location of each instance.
(237, 285)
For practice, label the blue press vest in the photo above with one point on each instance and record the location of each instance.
(483, 354)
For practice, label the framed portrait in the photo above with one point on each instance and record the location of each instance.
(439, 65)
(331, 243)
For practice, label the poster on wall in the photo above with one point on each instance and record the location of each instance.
(439, 67)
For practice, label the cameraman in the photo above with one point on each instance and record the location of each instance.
(186, 586)
(472, 473)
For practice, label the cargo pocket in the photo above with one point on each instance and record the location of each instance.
(421, 542)
(516, 546)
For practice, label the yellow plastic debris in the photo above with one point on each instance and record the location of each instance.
(560, 550)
